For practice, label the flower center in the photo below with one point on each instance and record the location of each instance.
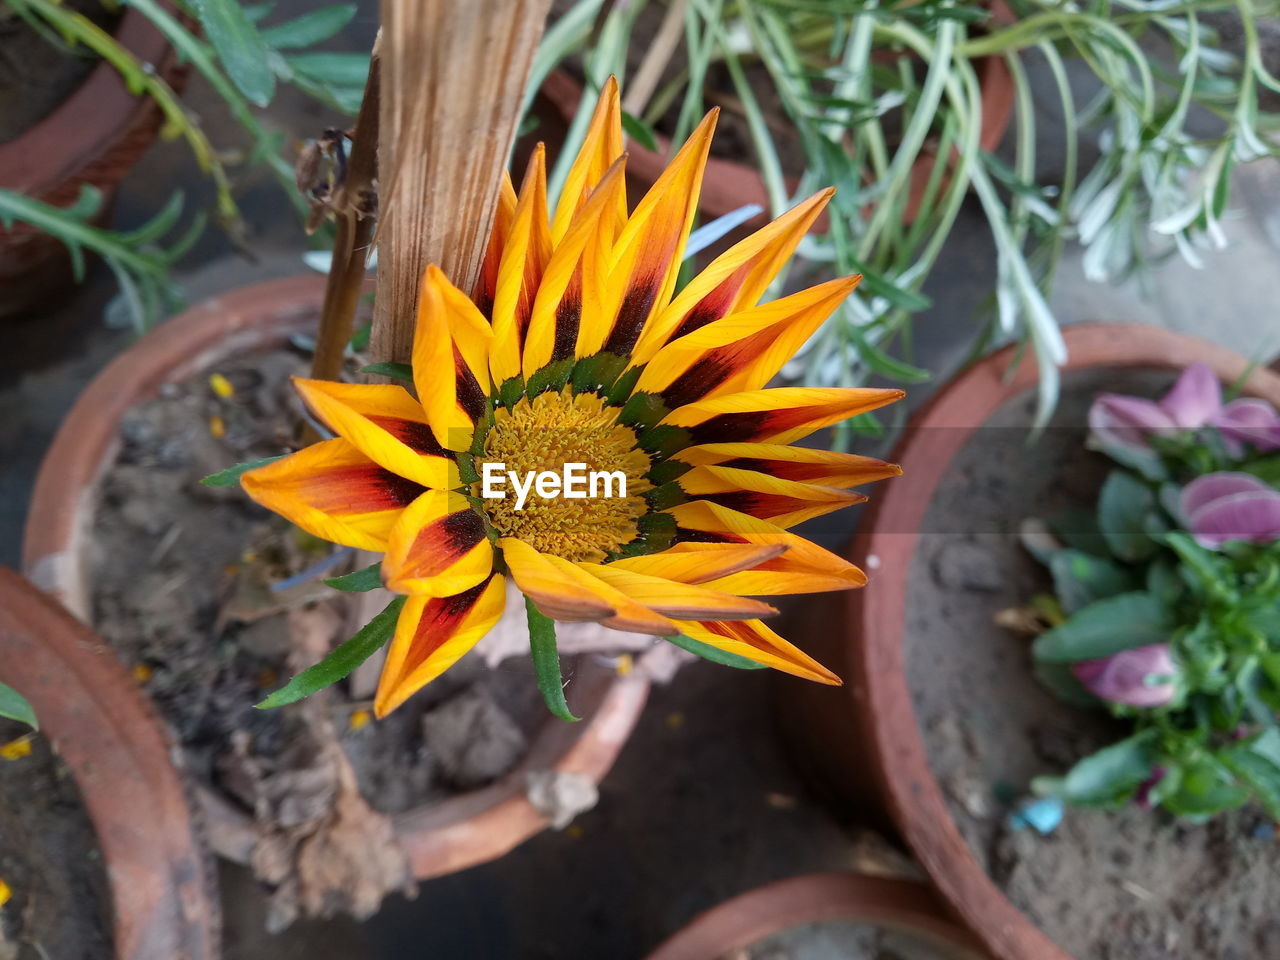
(553, 430)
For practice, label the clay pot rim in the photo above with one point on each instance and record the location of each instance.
(816, 898)
(879, 688)
(164, 898)
(99, 113)
(466, 830)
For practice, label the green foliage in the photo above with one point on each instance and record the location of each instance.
(715, 655)
(230, 477)
(14, 706)
(361, 581)
(546, 661)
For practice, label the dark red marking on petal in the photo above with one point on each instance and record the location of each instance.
(685, 535)
(439, 545)
(714, 305)
(364, 488)
(715, 367)
(471, 398)
(413, 434)
(636, 306)
(568, 319)
(748, 427)
(752, 503)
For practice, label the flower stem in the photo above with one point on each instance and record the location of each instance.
(546, 661)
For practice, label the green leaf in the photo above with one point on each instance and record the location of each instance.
(1112, 773)
(1208, 787)
(14, 706)
(332, 69)
(714, 654)
(1106, 627)
(1081, 578)
(1064, 685)
(309, 28)
(396, 371)
(546, 661)
(370, 578)
(231, 476)
(1257, 765)
(239, 46)
(639, 131)
(337, 665)
(1123, 507)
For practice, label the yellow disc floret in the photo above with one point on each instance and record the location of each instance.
(545, 435)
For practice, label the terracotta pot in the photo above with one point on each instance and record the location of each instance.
(463, 831)
(163, 891)
(93, 137)
(886, 760)
(819, 898)
(730, 184)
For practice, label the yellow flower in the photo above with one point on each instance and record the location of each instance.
(575, 348)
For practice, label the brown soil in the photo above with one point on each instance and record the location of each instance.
(1131, 885)
(37, 74)
(49, 857)
(839, 940)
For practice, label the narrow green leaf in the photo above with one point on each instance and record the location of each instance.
(231, 476)
(14, 706)
(309, 28)
(546, 661)
(1123, 506)
(370, 578)
(396, 371)
(1080, 578)
(337, 665)
(1110, 774)
(332, 69)
(715, 655)
(239, 46)
(1106, 627)
(639, 131)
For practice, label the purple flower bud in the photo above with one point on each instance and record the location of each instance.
(1248, 420)
(1231, 506)
(1194, 398)
(1141, 677)
(1118, 420)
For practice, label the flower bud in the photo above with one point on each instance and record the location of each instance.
(1141, 677)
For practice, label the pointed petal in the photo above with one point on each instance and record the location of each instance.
(601, 147)
(698, 566)
(450, 360)
(804, 568)
(437, 547)
(487, 283)
(629, 615)
(333, 491)
(386, 424)
(646, 257)
(1194, 398)
(523, 262)
(783, 502)
(735, 280)
(742, 351)
(755, 641)
(571, 293)
(432, 633)
(680, 601)
(805, 464)
(780, 415)
(555, 593)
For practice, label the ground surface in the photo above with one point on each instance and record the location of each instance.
(702, 803)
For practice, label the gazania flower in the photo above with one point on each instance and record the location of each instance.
(576, 349)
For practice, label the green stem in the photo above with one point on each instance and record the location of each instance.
(546, 661)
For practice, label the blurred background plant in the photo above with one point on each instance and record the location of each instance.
(243, 59)
(1159, 100)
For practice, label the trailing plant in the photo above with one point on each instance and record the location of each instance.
(870, 88)
(1166, 607)
(242, 62)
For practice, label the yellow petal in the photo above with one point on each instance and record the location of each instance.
(805, 464)
(780, 415)
(450, 360)
(601, 147)
(782, 502)
(755, 641)
(553, 592)
(432, 633)
(524, 260)
(698, 566)
(487, 282)
(680, 601)
(437, 547)
(629, 615)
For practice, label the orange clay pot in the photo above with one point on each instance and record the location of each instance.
(460, 832)
(93, 137)
(163, 891)
(884, 761)
(820, 898)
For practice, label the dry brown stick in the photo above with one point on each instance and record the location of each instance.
(661, 50)
(453, 74)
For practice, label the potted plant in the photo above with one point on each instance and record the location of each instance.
(954, 752)
(67, 149)
(100, 855)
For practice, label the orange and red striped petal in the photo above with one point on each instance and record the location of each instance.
(386, 424)
(526, 256)
(804, 568)
(556, 594)
(486, 288)
(333, 491)
(628, 615)
(450, 360)
(601, 148)
(755, 641)
(646, 257)
(782, 502)
(804, 464)
(698, 566)
(779, 415)
(742, 351)
(734, 281)
(432, 633)
(680, 601)
(437, 547)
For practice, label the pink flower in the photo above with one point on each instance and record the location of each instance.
(1194, 401)
(1231, 506)
(1141, 677)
